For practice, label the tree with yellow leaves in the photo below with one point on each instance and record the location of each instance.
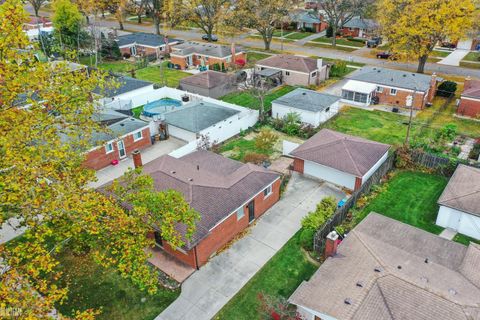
(414, 27)
(46, 126)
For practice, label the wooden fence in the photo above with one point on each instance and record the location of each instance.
(341, 213)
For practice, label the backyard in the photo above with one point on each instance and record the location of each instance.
(246, 99)
(92, 286)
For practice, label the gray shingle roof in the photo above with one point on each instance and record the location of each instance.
(202, 48)
(360, 23)
(118, 124)
(290, 62)
(126, 84)
(341, 151)
(304, 16)
(391, 77)
(213, 185)
(307, 100)
(207, 79)
(142, 38)
(196, 116)
(463, 190)
(447, 287)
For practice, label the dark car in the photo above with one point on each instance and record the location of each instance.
(205, 37)
(374, 42)
(449, 45)
(386, 55)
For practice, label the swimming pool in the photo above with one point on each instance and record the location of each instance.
(160, 106)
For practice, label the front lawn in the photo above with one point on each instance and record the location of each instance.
(472, 56)
(340, 41)
(298, 35)
(253, 56)
(92, 286)
(246, 99)
(410, 197)
(280, 276)
(329, 46)
(375, 125)
(172, 77)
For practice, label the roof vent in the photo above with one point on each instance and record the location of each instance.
(173, 172)
(190, 179)
(377, 269)
(304, 93)
(399, 267)
(359, 284)
(452, 291)
(426, 260)
(122, 124)
(413, 74)
(348, 301)
(404, 75)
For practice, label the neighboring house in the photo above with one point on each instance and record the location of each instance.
(129, 91)
(460, 202)
(469, 104)
(295, 70)
(313, 107)
(209, 83)
(359, 27)
(124, 135)
(308, 20)
(312, 4)
(195, 54)
(385, 269)
(37, 23)
(145, 44)
(227, 194)
(389, 86)
(342, 159)
(204, 118)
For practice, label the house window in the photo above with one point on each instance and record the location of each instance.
(109, 147)
(240, 213)
(379, 89)
(393, 92)
(314, 74)
(137, 136)
(268, 191)
(327, 109)
(287, 73)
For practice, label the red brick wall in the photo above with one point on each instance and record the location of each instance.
(98, 159)
(226, 231)
(400, 98)
(182, 61)
(298, 165)
(346, 32)
(469, 108)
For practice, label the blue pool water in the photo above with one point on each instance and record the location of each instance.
(160, 106)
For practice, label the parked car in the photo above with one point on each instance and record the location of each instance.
(205, 37)
(446, 44)
(374, 42)
(386, 55)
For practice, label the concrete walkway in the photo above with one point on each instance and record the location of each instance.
(448, 234)
(211, 287)
(454, 58)
(314, 36)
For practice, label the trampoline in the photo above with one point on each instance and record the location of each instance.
(160, 106)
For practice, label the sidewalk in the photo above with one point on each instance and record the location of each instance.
(206, 291)
(314, 36)
(454, 58)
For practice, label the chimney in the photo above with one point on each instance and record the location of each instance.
(319, 64)
(137, 159)
(433, 88)
(467, 83)
(331, 244)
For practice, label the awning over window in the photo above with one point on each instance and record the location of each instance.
(358, 86)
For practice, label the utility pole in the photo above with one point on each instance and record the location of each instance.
(409, 128)
(281, 39)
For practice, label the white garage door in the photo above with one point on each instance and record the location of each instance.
(329, 174)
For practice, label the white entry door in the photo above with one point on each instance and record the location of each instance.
(121, 149)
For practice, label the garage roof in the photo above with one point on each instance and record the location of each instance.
(308, 100)
(198, 115)
(341, 151)
(463, 190)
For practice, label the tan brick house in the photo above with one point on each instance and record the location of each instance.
(469, 104)
(194, 54)
(370, 85)
(227, 194)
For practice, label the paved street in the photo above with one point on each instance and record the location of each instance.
(211, 287)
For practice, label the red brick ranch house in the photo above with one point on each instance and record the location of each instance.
(469, 104)
(388, 86)
(145, 44)
(227, 194)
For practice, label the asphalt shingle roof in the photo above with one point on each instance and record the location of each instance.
(142, 38)
(360, 23)
(205, 49)
(126, 84)
(307, 100)
(290, 62)
(117, 123)
(196, 116)
(207, 79)
(341, 151)
(419, 276)
(472, 89)
(213, 185)
(463, 190)
(393, 78)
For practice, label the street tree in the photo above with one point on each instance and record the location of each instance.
(67, 20)
(37, 5)
(413, 28)
(46, 126)
(263, 15)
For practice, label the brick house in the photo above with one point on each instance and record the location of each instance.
(145, 44)
(469, 104)
(294, 70)
(370, 85)
(359, 28)
(227, 194)
(194, 54)
(37, 22)
(125, 134)
(308, 20)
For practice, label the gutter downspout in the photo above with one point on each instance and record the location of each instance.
(196, 257)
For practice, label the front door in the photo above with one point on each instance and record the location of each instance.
(158, 239)
(251, 211)
(121, 149)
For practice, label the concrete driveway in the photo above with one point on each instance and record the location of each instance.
(211, 287)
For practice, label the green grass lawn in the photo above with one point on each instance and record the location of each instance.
(171, 76)
(375, 125)
(253, 57)
(92, 286)
(410, 197)
(298, 35)
(280, 276)
(327, 46)
(439, 54)
(137, 111)
(344, 42)
(120, 66)
(472, 56)
(240, 147)
(245, 99)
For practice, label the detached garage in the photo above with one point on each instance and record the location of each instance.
(460, 202)
(344, 160)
